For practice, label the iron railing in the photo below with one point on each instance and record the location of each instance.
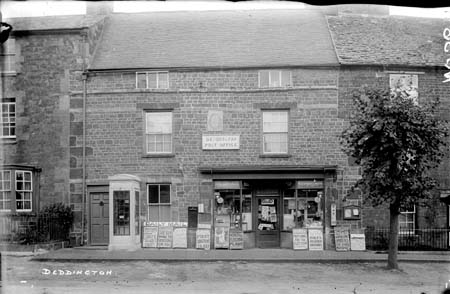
(32, 229)
(411, 240)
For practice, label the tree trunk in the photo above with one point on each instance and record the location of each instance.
(393, 236)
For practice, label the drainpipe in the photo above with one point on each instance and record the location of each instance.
(84, 79)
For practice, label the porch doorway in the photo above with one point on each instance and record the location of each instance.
(267, 218)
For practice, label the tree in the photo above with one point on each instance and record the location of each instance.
(397, 143)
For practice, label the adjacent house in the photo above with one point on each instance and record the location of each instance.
(215, 121)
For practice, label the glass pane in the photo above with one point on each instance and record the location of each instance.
(152, 80)
(153, 213)
(141, 80)
(19, 205)
(136, 213)
(289, 214)
(163, 81)
(27, 205)
(159, 122)
(285, 78)
(27, 186)
(164, 212)
(19, 176)
(12, 108)
(275, 143)
(19, 186)
(19, 196)
(275, 121)
(267, 214)
(4, 108)
(274, 78)
(264, 78)
(151, 143)
(27, 196)
(167, 143)
(165, 194)
(121, 206)
(153, 194)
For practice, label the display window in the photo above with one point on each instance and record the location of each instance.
(233, 205)
(302, 209)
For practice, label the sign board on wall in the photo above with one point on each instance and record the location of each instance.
(300, 239)
(220, 142)
(150, 237)
(315, 239)
(341, 239)
(165, 235)
(179, 238)
(333, 214)
(203, 239)
(357, 242)
(236, 239)
(221, 237)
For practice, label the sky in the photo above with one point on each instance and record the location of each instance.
(12, 9)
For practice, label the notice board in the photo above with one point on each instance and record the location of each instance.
(300, 239)
(236, 239)
(165, 237)
(221, 237)
(150, 237)
(203, 239)
(315, 239)
(341, 238)
(358, 242)
(179, 238)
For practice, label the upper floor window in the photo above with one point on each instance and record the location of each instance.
(152, 80)
(7, 57)
(274, 78)
(158, 132)
(8, 118)
(275, 131)
(405, 83)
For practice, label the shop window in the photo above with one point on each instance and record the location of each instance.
(152, 80)
(302, 209)
(275, 132)
(136, 213)
(233, 205)
(405, 83)
(159, 202)
(274, 78)
(158, 132)
(5, 190)
(8, 57)
(121, 202)
(407, 220)
(8, 118)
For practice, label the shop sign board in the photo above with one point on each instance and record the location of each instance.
(203, 239)
(221, 237)
(341, 239)
(315, 239)
(150, 237)
(166, 224)
(357, 242)
(236, 239)
(300, 239)
(179, 238)
(309, 184)
(165, 235)
(220, 142)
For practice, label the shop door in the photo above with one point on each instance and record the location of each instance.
(268, 222)
(99, 218)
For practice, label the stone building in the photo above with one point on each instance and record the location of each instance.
(210, 119)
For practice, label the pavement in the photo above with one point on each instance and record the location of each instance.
(89, 254)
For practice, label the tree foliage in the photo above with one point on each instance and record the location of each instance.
(397, 142)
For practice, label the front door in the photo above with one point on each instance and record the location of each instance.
(268, 221)
(99, 218)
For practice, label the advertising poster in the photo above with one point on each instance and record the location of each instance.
(179, 238)
(221, 237)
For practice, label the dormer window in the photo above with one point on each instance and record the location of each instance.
(274, 78)
(152, 80)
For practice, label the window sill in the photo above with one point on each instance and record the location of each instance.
(8, 141)
(275, 155)
(156, 155)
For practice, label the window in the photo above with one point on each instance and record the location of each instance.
(159, 202)
(152, 80)
(8, 118)
(24, 190)
(275, 132)
(407, 220)
(405, 83)
(274, 78)
(158, 132)
(121, 202)
(7, 57)
(5, 190)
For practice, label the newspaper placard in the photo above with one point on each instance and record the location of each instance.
(165, 237)
(341, 237)
(150, 237)
(236, 239)
(203, 239)
(179, 238)
(357, 242)
(300, 239)
(221, 237)
(315, 239)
